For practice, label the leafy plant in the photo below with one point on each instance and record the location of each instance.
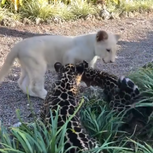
(143, 77)
(33, 137)
(34, 9)
(15, 3)
(81, 8)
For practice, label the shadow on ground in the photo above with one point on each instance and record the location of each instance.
(16, 33)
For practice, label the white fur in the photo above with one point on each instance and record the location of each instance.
(37, 54)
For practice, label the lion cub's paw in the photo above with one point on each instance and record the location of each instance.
(43, 94)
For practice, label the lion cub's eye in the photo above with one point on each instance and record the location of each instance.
(108, 50)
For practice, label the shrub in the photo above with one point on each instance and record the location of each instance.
(68, 10)
(81, 8)
(34, 9)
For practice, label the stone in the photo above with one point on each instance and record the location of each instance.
(105, 14)
(38, 21)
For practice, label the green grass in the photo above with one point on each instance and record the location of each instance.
(138, 6)
(143, 77)
(81, 9)
(33, 9)
(35, 137)
(77, 9)
(131, 6)
(6, 14)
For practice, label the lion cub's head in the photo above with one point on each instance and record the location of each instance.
(106, 46)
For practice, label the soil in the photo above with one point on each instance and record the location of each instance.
(135, 49)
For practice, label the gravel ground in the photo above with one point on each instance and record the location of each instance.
(135, 50)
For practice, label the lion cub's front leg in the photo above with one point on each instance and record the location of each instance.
(93, 61)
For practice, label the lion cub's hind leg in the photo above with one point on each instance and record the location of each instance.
(37, 86)
(32, 77)
(24, 81)
(22, 77)
(36, 73)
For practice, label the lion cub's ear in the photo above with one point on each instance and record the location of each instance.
(101, 36)
(58, 66)
(117, 36)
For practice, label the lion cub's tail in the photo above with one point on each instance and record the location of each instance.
(8, 63)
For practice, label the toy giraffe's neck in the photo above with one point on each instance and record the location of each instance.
(106, 81)
(68, 84)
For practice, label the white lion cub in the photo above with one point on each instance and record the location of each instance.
(36, 54)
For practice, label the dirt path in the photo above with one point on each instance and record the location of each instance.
(135, 49)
